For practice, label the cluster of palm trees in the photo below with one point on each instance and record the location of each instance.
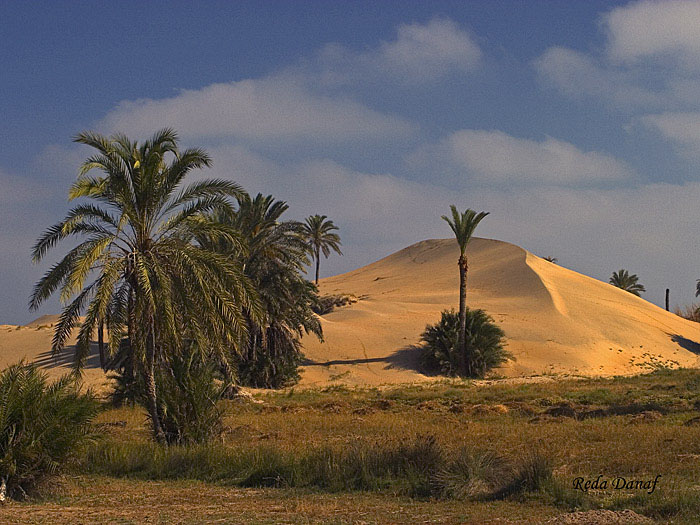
(163, 265)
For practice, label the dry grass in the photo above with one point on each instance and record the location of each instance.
(632, 427)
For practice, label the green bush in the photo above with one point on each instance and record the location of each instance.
(485, 343)
(42, 426)
(188, 397)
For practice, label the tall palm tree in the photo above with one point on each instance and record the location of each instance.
(321, 239)
(627, 282)
(463, 226)
(152, 282)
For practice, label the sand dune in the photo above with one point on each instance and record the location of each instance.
(557, 321)
(32, 343)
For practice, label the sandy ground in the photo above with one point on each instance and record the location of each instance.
(557, 322)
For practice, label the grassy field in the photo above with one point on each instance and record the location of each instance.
(452, 452)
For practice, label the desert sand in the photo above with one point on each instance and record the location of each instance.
(557, 321)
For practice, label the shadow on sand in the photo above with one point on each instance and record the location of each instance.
(47, 360)
(406, 358)
(686, 343)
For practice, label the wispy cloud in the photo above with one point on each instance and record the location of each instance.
(420, 54)
(496, 157)
(266, 109)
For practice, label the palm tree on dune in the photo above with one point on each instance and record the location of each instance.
(463, 226)
(320, 236)
(138, 268)
(622, 279)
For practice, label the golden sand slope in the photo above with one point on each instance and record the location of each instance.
(32, 343)
(556, 320)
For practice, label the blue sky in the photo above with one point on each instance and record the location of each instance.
(576, 124)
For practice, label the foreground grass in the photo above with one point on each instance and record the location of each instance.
(453, 451)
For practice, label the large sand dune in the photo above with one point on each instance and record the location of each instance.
(557, 321)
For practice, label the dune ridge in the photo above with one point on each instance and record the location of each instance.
(557, 321)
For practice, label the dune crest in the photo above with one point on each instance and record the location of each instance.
(557, 321)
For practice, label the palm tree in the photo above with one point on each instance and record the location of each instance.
(151, 280)
(463, 226)
(551, 259)
(275, 259)
(321, 239)
(627, 282)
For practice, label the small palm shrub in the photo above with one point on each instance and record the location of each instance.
(189, 390)
(485, 341)
(42, 426)
(188, 397)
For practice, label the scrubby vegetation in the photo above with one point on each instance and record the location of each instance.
(325, 304)
(690, 312)
(505, 449)
(485, 342)
(42, 427)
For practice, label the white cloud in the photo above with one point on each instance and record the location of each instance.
(577, 74)
(595, 231)
(651, 57)
(654, 29)
(682, 129)
(273, 108)
(420, 54)
(494, 156)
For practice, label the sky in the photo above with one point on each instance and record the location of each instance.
(575, 124)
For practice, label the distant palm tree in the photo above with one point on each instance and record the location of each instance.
(697, 288)
(150, 276)
(627, 282)
(551, 259)
(463, 226)
(320, 238)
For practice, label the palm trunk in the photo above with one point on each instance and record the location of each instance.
(101, 344)
(462, 342)
(150, 381)
(318, 263)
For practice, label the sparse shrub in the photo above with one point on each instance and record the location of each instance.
(534, 474)
(690, 312)
(42, 426)
(471, 475)
(485, 343)
(325, 304)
